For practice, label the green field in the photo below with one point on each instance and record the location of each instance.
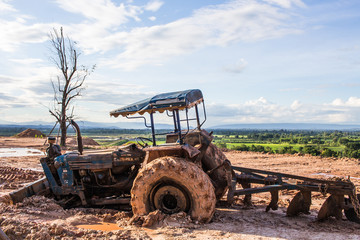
(273, 146)
(319, 143)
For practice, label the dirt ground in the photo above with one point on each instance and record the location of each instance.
(41, 218)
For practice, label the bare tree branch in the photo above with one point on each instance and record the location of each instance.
(69, 84)
(55, 115)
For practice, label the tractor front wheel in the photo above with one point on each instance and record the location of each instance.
(172, 185)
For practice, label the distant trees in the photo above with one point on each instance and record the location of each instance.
(352, 149)
(69, 83)
(316, 143)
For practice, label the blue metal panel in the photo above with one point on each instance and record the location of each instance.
(48, 174)
(96, 161)
(64, 171)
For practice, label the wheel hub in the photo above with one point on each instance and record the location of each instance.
(170, 199)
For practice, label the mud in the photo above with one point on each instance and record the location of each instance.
(42, 218)
(14, 178)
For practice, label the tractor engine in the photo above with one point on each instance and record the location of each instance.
(96, 175)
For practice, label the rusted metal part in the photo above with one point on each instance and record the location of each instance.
(163, 151)
(332, 207)
(247, 199)
(230, 194)
(299, 204)
(277, 179)
(274, 182)
(354, 198)
(351, 208)
(274, 201)
(285, 175)
(38, 187)
(268, 188)
(191, 151)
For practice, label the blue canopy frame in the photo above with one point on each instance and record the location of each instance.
(161, 102)
(173, 101)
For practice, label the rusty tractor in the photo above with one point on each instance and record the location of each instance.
(186, 173)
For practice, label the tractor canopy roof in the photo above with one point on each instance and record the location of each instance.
(161, 102)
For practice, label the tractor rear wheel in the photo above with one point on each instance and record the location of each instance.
(171, 185)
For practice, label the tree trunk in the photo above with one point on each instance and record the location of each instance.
(63, 133)
(63, 113)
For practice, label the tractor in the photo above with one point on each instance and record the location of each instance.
(185, 172)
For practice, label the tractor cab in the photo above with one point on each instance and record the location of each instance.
(185, 108)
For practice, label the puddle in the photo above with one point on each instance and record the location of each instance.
(103, 226)
(331, 175)
(20, 152)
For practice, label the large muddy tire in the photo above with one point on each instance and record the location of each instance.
(221, 177)
(172, 185)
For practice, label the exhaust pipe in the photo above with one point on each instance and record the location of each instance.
(79, 138)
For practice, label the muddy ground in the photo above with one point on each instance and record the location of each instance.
(41, 218)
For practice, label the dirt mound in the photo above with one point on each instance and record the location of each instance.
(30, 133)
(85, 140)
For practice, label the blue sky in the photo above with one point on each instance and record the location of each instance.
(256, 61)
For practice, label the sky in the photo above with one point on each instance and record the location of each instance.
(256, 61)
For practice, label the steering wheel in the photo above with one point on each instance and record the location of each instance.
(142, 141)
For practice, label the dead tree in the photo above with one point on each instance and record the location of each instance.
(69, 83)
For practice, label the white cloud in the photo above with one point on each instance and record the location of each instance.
(102, 18)
(257, 102)
(29, 86)
(218, 25)
(13, 33)
(102, 30)
(296, 105)
(152, 18)
(238, 67)
(5, 7)
(154, 5)
(263, 111)
(104, 12)
(337, 102)
(351, 102)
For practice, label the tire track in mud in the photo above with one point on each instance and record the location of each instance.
(13, 178)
